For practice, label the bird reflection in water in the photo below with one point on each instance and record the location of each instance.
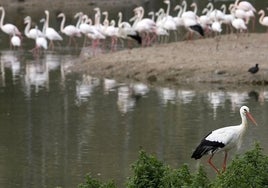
(128, 95)
(10, 59)
(36, 75)
(85, 87)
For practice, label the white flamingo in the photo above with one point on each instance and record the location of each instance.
(40, 40)
(8, 28)
(50, 32)
(190, 20)
(144, 26)
(70, 30)
(15, 40)
(263, 20)
(30, 33)
(169, 23)
(227, 18)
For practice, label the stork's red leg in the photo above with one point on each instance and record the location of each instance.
(224, 162)
(212, 165)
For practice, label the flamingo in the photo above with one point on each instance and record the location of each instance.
(50, 32)
(249, 10)
(40, 40)
(160, 30)
(30, 33)
(227, 18)
(8, 28)
(239, 24)
(169, 23)
(216, 24)
(125, 31)
(223, 139)
(87, 28)
(143, 25)
(112, 31)
(190, 20)
(205, 20)
(15, 40)
(178, 20)
(244, 5)
(263, 19)
(70, 30)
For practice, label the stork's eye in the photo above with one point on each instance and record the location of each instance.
(245, 110)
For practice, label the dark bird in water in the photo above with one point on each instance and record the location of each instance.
(136, 37)
(254, 70)
(197, 28)
(223, 139)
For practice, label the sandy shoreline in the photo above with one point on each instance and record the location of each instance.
(186, 62)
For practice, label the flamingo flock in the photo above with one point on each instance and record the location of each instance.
(146, 31)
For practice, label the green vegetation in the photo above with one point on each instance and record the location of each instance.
(247, 170)
(93, 183)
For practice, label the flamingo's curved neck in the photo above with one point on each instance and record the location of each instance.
(159, 15)
(152, 14)
(79, 21)
(141, 13)
(27, 27)
(184, 5)
(106, 20)
(195, 7)
(223, 7)
(2, 17)
(232, 9)
(210, 7)
(168, 8)
(47, 19)
(261, 17)
(97, 18)
(62, 23)
(119, 19)
(236, 2)
(180, 12)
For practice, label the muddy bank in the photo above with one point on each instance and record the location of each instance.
(225, 60)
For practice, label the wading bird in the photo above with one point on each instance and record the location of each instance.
(223, 139)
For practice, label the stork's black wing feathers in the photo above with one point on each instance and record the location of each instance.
(206, 147)
(198, 28)
(136, 37)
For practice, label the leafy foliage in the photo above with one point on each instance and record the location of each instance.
(183, 178)
(248, 170)
(93, 183)
(148, 172)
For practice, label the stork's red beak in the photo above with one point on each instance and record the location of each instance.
(250, 117)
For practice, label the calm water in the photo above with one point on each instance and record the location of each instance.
(57, 127)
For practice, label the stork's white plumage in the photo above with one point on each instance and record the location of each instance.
(223, 139)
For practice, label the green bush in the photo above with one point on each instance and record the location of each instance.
(148, 172)
(182, 177)
(248, 170)
(93, 183)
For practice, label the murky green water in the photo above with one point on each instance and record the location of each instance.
(57, 127)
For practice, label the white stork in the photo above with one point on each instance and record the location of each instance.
(223, 139)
